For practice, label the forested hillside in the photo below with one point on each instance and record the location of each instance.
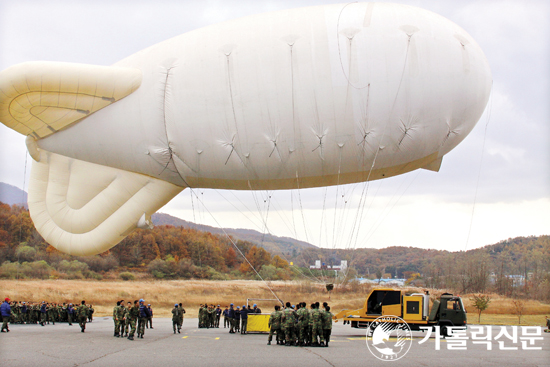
(164, 252)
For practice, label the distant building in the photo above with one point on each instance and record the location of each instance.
(384, 281)
(322, 266)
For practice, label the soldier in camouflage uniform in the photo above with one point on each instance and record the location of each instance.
(303, 322)
(327, 325)
(275, 325)
(15, 314)
(52, 311)
(212, 316)
(127, 318)
(82, 314)
(201, 316)
(90, 313)
(115, 319)
(176, 318)
(121, 317)
(133, 315)
(288, 321)
(317, 329)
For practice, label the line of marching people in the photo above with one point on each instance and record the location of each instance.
(43, 313)
(299, 326)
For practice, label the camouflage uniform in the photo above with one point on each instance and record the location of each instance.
(133, 314)
(201, 316)
(82, 314)
(176, 318)
(90, 313)
(303, 320)
(212, 317)
(317, 329)
(275, 326)
(52, 314)
(327, 326)
(127, 319)
(115, 320)
(288, 321)
(121, 317)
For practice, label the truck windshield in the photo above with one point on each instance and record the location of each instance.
(455, 304)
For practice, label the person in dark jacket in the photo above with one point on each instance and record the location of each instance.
(244, 319)
(150, 317)
(24, 311)
(238, 319)
(231, 315)
(143, 317)
(218, 316)
(257, 309)
(43, 312)
(5, 311)
(226, 319)
(70, 313)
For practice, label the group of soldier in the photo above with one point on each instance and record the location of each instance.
(126, 316)
(300, 326)
(209, 316)
(21, 312)
(294, 325)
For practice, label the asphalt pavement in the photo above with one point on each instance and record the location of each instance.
(63, 345)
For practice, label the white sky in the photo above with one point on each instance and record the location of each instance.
(494, 185)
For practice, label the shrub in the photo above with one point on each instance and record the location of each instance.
(25, 253)
(214, 275)
(37, 269)
(158, 268)
(158, 274)
(100, 263)
(9, 270)
(126, 275)
(74, 266)
(269, 272)
(185, 268)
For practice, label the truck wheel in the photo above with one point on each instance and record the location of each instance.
(370, 330)
(443, 331)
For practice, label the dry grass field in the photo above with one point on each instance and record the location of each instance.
(163, 294)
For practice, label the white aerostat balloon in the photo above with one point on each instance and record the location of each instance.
(301, 98)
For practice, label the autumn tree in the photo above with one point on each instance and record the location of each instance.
(257, 257)
(278, 262)
(480, 303)
(519, 308)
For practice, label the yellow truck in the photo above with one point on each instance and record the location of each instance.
(414, 309)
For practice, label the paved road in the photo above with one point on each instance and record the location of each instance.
(63, 345)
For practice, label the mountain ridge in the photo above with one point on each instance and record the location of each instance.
(13, 195)
(271, 243)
